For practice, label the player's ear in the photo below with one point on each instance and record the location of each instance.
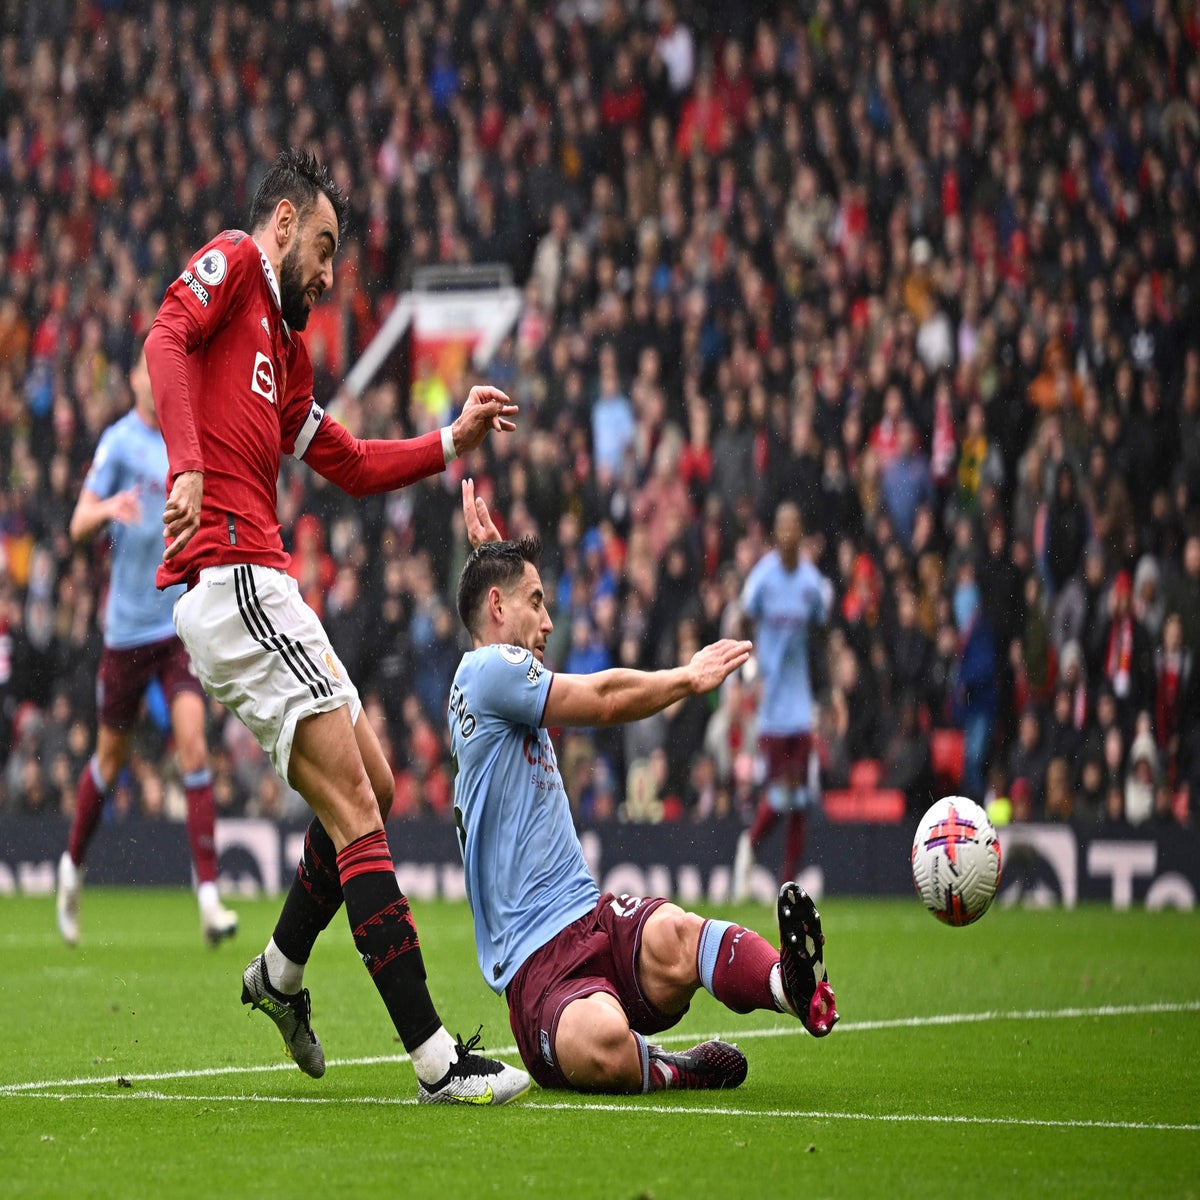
(285, 219)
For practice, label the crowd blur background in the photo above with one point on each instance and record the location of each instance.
(929, 270)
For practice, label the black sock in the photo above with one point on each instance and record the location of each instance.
(386, 937)
(314, 897)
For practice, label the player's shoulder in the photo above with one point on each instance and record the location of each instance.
(121, 432)
(499, 665)
(766, 566)
(494, 657)
(231, 256)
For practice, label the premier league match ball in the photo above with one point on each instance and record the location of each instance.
(956, 860)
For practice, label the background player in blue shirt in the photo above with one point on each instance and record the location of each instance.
(125, 490)
(783, 597)
(589, 976)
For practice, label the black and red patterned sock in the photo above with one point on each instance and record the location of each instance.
(314, 897)
(386, 936)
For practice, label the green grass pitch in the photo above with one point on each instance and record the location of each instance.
(1037, 1054)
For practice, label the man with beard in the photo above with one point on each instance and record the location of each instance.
(232, 383)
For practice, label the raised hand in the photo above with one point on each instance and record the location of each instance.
(480, 526)
(487, 408)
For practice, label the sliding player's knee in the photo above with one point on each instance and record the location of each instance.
(670, 944)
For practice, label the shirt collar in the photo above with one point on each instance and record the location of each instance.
(269, 272)
(273, 284)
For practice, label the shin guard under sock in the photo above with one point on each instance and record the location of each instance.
(386, 936)
(90, 792)
(793, 850)
(735, 966)
(201, 823)
(314, 897)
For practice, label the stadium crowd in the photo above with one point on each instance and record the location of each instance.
(931, 271)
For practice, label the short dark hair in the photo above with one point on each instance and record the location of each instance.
(296, 175)
(493, 564)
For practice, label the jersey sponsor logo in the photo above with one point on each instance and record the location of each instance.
(262, 380)
(266, 328)
(196, 287)
(332, 665)
(211, 267)
(513, 654)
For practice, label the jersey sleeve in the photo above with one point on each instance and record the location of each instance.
(104, 475)
(365, 466)
(196, 305)
(512, 684)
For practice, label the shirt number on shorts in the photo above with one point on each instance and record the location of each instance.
(625, 906)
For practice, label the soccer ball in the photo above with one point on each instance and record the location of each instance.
(956, 860)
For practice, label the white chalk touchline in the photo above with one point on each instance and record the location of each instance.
(790, 1030)
(631, 1105)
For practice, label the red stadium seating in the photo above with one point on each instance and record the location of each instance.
(874, 806)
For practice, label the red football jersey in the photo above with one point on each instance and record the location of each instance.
(233, 389)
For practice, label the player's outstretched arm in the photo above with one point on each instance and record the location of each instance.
(619, 695)
(365, 466)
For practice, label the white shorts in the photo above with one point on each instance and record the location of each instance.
(262, 652)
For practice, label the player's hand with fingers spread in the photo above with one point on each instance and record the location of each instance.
(181, 517)
(714, 664)
(480, 526)
(487, 408)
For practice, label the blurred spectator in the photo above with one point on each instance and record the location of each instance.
(906, 759)
(974, 683)
(1141, 777)
(1126, 654)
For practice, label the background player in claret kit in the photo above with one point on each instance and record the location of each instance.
(233, 384)
(783, 596)
(589, 976)
(124, 491)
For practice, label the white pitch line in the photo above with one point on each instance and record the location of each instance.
(790, 1030)
(632, 1107)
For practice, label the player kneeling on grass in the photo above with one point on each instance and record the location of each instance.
(589, 977)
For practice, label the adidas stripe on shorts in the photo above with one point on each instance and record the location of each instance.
(262, 652)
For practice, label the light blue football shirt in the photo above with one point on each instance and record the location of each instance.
(782, 605)
(132, 455)
(526, 877)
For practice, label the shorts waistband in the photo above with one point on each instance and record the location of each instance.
(224, 570)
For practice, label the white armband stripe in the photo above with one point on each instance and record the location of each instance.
(448, 451)
(308, 431)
